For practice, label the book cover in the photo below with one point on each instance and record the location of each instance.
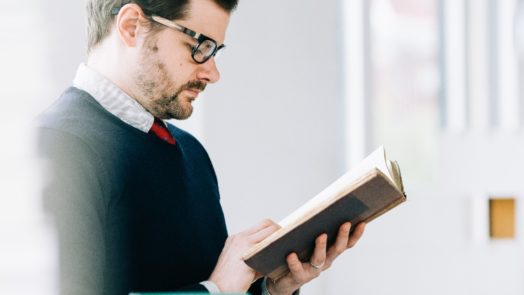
(362, 194)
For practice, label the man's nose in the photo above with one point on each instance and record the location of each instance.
(208, 71)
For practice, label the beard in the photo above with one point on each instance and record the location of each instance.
(159, 94)
(175, 106)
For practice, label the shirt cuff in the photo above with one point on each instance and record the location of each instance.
(264, 287)
(210, 286)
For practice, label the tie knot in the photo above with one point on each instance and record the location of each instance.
(160, 130)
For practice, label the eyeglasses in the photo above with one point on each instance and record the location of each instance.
(205, 47)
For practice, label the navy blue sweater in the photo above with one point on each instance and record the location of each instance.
(133, 213)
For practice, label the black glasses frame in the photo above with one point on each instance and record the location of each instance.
(200, 38)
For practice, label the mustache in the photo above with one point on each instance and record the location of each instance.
(199, 85)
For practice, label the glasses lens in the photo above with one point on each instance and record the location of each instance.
(204, 50)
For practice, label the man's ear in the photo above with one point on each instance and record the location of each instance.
(128, 24)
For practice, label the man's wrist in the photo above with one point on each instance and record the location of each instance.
(268, 288)
(210, 286)
(265, 290)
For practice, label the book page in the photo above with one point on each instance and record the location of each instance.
(377, 159)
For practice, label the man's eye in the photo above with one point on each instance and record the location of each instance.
(206, 46)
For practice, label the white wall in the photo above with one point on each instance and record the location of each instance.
(274, 125)
(35, 54)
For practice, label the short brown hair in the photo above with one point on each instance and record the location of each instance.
(101, 13)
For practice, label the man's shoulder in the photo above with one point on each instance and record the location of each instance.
(73, 106)
(76, 120)
(77, 112)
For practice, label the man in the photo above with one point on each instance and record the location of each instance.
(136, 201)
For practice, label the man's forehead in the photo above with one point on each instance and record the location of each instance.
(206, 17)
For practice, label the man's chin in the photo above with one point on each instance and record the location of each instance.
(181, 114)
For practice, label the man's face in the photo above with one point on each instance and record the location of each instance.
(167, 77)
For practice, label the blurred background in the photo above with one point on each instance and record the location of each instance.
(308, 89)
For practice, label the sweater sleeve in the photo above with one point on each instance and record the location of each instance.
(74, 197)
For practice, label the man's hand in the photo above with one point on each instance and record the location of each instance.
(231, 274)
(303, 272)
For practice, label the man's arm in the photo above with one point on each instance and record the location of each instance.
(74, 197)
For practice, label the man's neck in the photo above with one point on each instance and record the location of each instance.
(107, 61)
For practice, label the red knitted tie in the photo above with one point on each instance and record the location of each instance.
(160, 130)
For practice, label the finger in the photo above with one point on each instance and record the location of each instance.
(357, 233)
(319, 254)
(342, 241)
(294, 264)
(263, 233)
(259, 226)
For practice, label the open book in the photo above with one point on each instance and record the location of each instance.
(365, 192)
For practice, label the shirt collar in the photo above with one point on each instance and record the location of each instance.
(112, 98)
